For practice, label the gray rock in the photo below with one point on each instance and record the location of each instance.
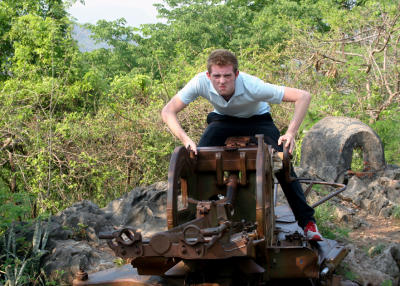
(142, 208)
(363, 268)
(377, 197)
(344, 214)
(74, 232)
(356, 191)
(66, 256)
(82, 221)
(387, 262)
(358, 222)
(392, 172)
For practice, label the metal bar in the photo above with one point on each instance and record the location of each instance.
(219, 168)
(327, 197)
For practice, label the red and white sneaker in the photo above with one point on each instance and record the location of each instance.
(311, 232)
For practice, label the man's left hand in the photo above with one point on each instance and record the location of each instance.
(289, 141)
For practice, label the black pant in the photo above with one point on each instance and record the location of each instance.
(221, 127)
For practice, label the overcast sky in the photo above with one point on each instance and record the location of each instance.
(135, 12)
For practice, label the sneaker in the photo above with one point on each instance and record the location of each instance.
(311, 232)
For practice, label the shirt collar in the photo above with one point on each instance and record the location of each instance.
(239, 86)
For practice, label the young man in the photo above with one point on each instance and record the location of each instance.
(241, 108)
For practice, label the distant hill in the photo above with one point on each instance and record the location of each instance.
(85, 42)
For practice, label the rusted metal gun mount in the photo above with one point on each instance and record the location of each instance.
(223, 224)
(212, 235)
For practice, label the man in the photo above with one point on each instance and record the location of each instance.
(241, 109)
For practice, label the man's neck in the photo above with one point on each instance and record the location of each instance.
(227, 97)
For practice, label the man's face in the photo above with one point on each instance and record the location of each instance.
(223, 79)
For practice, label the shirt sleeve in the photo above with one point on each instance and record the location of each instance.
(190, 91)
(267, 92)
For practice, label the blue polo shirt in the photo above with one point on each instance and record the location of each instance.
(252, 95)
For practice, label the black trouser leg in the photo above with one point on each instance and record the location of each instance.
(221, 127)
(296, 199)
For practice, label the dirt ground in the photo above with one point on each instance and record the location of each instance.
(379, 231)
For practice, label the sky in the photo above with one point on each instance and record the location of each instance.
(135, 12)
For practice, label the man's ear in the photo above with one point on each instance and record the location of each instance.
(237, 74)
(208, 74)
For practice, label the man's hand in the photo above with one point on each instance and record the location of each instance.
(190, 145)
(289, 142)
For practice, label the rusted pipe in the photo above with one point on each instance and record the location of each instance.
(231, 188)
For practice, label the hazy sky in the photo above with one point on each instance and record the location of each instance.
(135, 12)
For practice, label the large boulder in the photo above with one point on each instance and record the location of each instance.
(374, 270)
(73, 235)
(328, 146)
(73, 239)
(82, 221)
(379, 197)
(143, 208)
(67, 256)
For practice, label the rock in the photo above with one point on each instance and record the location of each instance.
(66, 256)
(328, 146)
(301, 172)
(387, 211)
(344, 214)
(387, 262)
(395, 252)
(73, 237)
(82, 221)
(358, 222)
(378, 197)
(142, 208)
(356, 191)
(74, 232)
(392, 172)
(363, 268)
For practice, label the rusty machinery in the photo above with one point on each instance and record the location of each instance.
(223, 227)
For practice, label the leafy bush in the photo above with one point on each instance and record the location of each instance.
(20, 260)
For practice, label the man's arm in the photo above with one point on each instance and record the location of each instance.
(301, 100)
(169, 116)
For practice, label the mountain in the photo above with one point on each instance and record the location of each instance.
(85, 42)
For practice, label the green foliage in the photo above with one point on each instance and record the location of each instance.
(376, 249)
(345, 68)
(357, 160)
(14, 206)
(121, 58)
(396, 212)
(325, 216)
(20, 260)
(387, 129)
(345, 271)
(387, 283)
(119, 262)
